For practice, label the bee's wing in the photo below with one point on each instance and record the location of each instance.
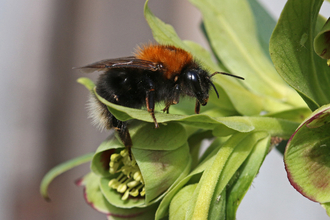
(124, 62)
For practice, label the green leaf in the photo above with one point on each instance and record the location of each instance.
(236, 159)
(180, 202)
(265, 25)
(322, 41)
(168, 136)
(215, 178)
(163, 33)
(231, 30)
(93, 195)
(246, 174)
(219, 205)
(124, 113)
(89, 84)
(101, 159)
(160, 169)
(61, 168)
(201, 54)
(195, 143)
(162, 210)
(291, 49)
(307, 157)
(326, 206)
(295, 114)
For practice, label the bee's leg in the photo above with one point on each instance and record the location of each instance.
(174, 100)
(150, 100)
(197, 107)
(167, 107)
(125, 137)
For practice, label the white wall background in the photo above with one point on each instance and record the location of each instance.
(43, 116)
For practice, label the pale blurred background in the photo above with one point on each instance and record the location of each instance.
(43, 112)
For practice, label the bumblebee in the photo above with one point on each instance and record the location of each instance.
(156, 73)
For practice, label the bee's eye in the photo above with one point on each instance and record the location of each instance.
(193, 79)
(192, 76)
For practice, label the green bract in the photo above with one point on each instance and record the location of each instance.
(322, 41)
(48, 178)
(307, 156)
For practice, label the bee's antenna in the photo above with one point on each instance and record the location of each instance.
(216, 91)
(228, 74)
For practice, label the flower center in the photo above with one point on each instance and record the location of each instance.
(129, 181)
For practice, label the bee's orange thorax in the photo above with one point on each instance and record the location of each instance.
(173, 59)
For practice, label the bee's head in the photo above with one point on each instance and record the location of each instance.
(197, 83)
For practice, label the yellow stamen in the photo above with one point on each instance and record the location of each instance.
(137, 176)
(133, 184)
(143, 192)
(129, 181)
(134, 192)
(125, 196)
(121, 188)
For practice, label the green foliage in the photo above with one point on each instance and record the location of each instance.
(292, 52)
(178, 184)
(58, 170)
(296, 37)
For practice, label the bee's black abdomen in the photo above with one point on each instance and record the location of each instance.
(125, 87)
(121, 86)
(99, 114)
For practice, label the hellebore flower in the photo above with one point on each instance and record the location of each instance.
(144, 180)
(307, 158)
(96, 199)
(124, 188)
